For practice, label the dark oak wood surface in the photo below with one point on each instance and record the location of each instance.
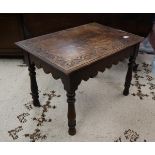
(78, 54)
(77, 47)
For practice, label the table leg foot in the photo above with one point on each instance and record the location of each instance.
(72, 130)
(71, 113)
(126, 92)
(34, 86)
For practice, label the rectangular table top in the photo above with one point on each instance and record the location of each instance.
(74, 48)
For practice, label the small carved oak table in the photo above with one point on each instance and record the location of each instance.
(78, 54)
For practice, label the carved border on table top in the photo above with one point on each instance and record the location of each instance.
(97, 53)
(113, 61)
(56, 74)
(83, 75)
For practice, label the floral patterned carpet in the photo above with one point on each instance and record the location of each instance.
(103, 113)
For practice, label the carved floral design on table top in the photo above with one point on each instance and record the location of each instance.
(72, 48)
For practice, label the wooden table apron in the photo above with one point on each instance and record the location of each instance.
(73, 79)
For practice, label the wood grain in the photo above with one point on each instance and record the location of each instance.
(77, 47)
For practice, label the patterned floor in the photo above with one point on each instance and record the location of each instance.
(103, 113)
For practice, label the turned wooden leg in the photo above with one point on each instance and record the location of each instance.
(34, 87)
(135, 65)
(129, 75)
(71, 113)
(132, 66)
